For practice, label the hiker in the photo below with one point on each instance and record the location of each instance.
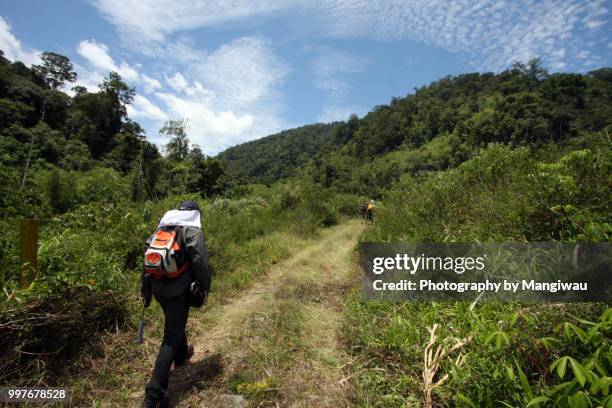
(177, 273)
(370, 211)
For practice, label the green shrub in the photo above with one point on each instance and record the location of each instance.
(101, 184)
(502, 194)
(60, 191)
(347, 204)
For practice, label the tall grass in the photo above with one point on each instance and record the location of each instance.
(513, 359)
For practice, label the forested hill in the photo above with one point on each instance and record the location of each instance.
(59, 151)
(437, 127)
(45, 133)
(73, 133)
(274, 157)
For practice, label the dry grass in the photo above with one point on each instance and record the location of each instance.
(432, 360)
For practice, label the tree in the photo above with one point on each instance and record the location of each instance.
(605, 74)
(56, 106)
(56, 69)
(345, 131)
(196, 154)
(536, 69)
(208, 176)
(96, 119)
(177, 148)
(121, 93)
(124, 154)
(79, 90)
(147, 172)
(60, 190)
(133, 128)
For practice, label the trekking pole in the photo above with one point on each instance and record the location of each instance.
(140, 335)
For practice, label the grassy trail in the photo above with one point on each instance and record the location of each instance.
(277, 343)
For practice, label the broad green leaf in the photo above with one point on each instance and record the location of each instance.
(501, 338)
(579, 371)
(466, 400)
(578, 400)
(549, 342)
(568, 328)
(583, 321)
(561, 365)
(607, 402)
(524, 383)
(537, 400)
(510, 373)
(597, 385)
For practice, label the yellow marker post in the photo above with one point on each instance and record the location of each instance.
(28, 241)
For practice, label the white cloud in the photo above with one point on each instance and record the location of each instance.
(143, 108)
(230, 95)
(128, 73)
(150, 84)
(12, 47)
(205, 122)
(97, 55)
(330, 61)
(594, 23)
(177, 82)
(180, 84)
(144, 21)
(492, 33)
(243, 72)
(331, 67)
(101, 62)
(333, 86)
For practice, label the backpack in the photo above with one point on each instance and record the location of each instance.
(166, 255)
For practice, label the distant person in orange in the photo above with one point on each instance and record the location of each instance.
(366, 211)
(370, 211)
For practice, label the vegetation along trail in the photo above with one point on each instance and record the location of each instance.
(277, 343)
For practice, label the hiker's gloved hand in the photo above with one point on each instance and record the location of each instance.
(146, 298)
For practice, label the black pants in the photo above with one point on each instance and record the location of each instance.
(174, 344)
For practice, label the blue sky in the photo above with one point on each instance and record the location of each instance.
(242, 72)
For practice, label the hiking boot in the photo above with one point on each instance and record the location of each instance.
(151, 402)
(186, 359)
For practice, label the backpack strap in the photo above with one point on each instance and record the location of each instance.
(180, 235)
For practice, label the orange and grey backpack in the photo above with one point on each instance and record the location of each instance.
(166, 256)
